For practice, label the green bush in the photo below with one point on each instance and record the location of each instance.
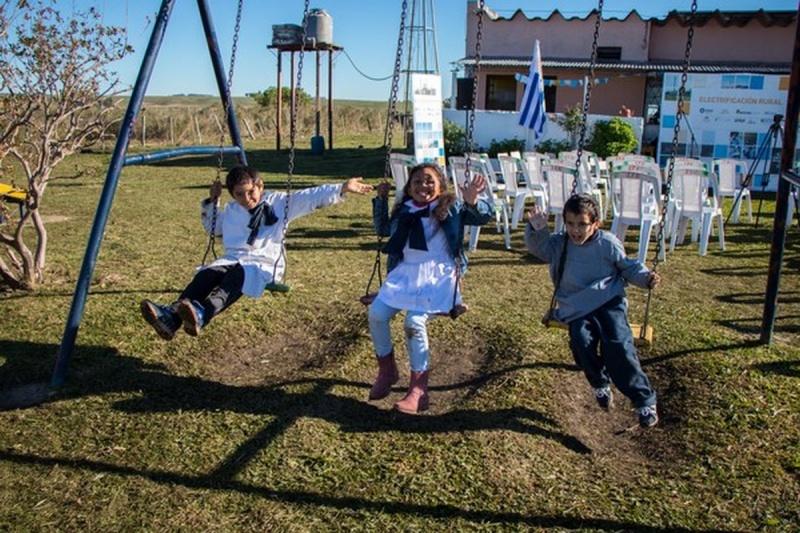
(571, 121)
(553, 146)
(455, 139)
(269, 97)
(505, 146)
(612, 137)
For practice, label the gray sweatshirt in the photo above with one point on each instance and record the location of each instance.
(594, 273)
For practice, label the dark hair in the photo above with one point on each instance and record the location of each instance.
(578, 204)
(241, 174)
(446, 199)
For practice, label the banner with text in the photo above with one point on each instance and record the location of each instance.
(426, 90)
(727, 116)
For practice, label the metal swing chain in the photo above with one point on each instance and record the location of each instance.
(226, 112)
(588, 97)
(387, 167)
(292, 143)
(671, 166)
(471, 114)
(562, 261)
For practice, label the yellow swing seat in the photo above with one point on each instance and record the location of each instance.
(12, 194)
(639, 340)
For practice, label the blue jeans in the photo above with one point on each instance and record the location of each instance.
(415, 327)
(616, 361)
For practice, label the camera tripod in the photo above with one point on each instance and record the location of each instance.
(764, 158)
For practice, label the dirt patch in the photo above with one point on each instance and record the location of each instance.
(50, 219)
(312, 342)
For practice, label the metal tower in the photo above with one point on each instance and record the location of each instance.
(422, 50)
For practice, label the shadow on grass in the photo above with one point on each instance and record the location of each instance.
(439, 511)
(93, 292)
(752, 326)
(784, 368)
(646, 361)
(757, 298)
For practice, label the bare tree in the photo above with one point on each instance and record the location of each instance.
(55, 99)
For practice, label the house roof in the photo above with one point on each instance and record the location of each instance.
(630, 66)
(725, 18)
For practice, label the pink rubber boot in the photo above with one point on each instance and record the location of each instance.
(387, 376)
(416, 399)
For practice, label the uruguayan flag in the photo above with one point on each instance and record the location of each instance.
(531, 113)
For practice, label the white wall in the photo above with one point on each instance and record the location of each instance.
(501, 125)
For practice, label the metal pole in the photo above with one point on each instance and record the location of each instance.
(317, 111)
(782, 197)
(219, 74)
(292, 95)
(279, 102)
(330, 99)
(107, 197)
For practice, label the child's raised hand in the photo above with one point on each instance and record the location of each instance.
(537, 218)
(383, 189)
(471, 192)
(357, 186)
(215, 191)
(654, 281)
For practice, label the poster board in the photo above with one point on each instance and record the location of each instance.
(426, 90)
(729, 116)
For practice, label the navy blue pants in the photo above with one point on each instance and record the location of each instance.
(215, 288)
(616, 360)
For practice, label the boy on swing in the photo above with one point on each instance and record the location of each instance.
(252, 232)
(590, 294)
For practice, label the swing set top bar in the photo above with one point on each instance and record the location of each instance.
(162, 155)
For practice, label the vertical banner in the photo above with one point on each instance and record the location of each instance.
(426, 90)
(727, 116)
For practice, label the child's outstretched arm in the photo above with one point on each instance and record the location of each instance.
(477, 209)
(537, 237)
(305, 201)
(207, 209)
(632, 270)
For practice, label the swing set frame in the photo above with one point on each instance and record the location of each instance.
(120, 159)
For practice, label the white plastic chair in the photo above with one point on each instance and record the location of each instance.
(586, 181)
(559, 188)
(696, 203)
(531, 166)
(400, 164)
(639, 205)
(731, 173)
(515, 193)
(458, 167)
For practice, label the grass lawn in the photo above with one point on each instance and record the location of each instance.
(262, 421)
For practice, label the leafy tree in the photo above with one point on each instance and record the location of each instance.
(612, 137)
(55, 99)
(455, 139)
(571, 121)
(269, 97)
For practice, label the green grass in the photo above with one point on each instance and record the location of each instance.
(262, 422)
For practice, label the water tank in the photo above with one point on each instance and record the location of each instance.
(320, 26)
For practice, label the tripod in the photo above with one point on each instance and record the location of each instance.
(764, 158)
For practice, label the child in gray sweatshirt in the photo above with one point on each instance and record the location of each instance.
(590, 295)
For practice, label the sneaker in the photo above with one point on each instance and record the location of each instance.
(192, 315)
(604, 397)
(648, 417)
(162, 317)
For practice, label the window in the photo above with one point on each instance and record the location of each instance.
(609, 53)
(501, 93)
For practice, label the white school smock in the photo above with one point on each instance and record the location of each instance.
(258, 259)
(424, 280)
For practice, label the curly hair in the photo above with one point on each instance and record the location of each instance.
(446, 199)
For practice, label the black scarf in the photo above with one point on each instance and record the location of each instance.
(263, 212)
(409, 229)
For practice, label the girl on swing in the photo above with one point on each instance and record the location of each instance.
(426, 258)
(252, 231)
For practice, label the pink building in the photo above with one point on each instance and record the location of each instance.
(633, 54)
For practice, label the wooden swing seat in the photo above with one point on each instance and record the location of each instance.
(455, 312)
(639, 340)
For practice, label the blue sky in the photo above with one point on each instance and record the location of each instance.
(366, 28)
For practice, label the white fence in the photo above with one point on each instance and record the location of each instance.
(501, 125)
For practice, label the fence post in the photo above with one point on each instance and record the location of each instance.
(172, 130)
(249, 129)
(144, 127)
(197, 130)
